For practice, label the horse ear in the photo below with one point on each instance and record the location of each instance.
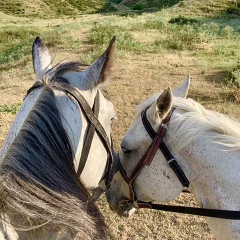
(100, 71)
(41, 58)
(161, 107)
(182, 90)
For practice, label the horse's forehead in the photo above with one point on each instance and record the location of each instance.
(135, 133)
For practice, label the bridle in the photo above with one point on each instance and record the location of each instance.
(91, 115)
(146, 160)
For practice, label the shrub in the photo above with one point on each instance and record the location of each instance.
(115, 1)
(138, 6)
(181, 20)
(234, 8)
(233, 77)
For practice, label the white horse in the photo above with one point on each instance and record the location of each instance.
(41, 194)
(206, 146)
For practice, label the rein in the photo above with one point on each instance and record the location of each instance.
(147, 159)
(94, 126)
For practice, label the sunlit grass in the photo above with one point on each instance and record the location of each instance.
(11, 108)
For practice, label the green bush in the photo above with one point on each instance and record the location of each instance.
(234, 8)
(138, 6)
(233, 77)
(15, 53)
(181, 20)
(115, 1)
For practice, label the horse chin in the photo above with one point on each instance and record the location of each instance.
(129, 212)
(125, 208)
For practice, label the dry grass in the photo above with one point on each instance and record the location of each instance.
(137, 76)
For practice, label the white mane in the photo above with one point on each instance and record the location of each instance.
(196, 120)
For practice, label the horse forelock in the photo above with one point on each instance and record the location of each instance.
(38, 171)
(54, 74)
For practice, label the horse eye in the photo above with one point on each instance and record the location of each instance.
(115, 118)
(125, 150)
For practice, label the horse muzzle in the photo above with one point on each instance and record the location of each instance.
(124, 207)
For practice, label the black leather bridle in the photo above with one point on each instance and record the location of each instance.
(91, 115)
(158, 143)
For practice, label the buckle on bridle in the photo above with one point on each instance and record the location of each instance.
(171, 160)
(164, 125)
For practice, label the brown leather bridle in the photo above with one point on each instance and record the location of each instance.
(91, 115)
(147, 159)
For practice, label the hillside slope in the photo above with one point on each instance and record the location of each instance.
(57, 8)
(53, 8)
(194, 7)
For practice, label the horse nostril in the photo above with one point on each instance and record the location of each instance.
(111, 208)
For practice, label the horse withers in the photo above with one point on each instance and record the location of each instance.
(58, 145)
(199, 153)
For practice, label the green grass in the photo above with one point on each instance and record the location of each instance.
(161, 4)
(101, 34)
(16, 43)
(11, 36)
(11, 108)
(13, 7)
(178, 33)
(23, 49)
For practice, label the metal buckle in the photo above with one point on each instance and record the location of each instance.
(164, 125)
(170, 160)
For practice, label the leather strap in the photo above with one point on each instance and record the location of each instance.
(225, 214)
(146, 158)
(94, 122)
(216, 213)
(91, 117)
(89, 137)
(167, 154)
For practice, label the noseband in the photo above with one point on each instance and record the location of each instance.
(91, 115)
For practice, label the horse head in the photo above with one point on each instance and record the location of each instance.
(176, 144)
(145, 185)
(58, 144)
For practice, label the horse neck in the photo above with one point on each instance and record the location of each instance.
(212, 170)
(214, 181)
(19, 121)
